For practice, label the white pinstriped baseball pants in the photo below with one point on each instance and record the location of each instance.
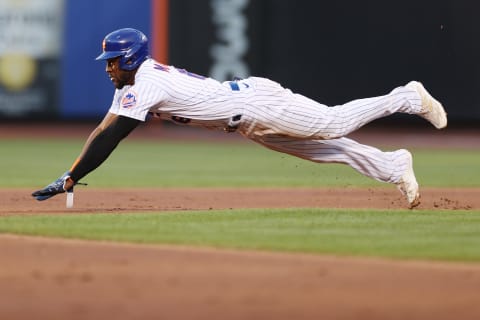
(315, 132)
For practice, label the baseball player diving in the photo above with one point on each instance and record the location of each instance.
(257, 108)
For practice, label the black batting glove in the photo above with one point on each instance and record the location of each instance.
(54, 188)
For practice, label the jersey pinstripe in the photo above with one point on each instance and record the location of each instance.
(271, 115)
(176, 95)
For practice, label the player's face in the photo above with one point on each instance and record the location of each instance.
(119, 77)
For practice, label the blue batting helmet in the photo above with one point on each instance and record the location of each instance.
(129, 44)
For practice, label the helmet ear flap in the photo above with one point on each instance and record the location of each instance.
(131, 51)
(134, 56)
(126, 63)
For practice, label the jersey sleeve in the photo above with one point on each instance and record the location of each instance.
(115, 107)
(137, 100)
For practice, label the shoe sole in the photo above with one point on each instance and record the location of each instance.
(416, 200)
(439, 119)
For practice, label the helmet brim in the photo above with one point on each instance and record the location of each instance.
(109, 55)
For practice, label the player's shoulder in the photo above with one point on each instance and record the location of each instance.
(150, 71)
(121, 92)
(150, 65)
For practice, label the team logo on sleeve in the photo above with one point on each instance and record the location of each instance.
(129, 100)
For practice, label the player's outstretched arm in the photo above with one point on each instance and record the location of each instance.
(99, 145)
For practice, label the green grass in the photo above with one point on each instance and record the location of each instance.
(436, 235)
(33, 164)
(442, 235)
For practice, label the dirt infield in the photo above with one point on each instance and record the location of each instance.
(64, 279)
(87, 200)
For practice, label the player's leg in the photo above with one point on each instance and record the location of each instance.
(283, 112)
(392, 167)
(338, 121)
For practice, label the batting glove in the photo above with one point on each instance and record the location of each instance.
(54, 188)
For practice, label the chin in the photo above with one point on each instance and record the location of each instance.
(119, 85)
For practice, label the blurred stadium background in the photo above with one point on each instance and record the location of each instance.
(331, 51)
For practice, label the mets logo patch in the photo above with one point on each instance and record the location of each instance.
(129, 100)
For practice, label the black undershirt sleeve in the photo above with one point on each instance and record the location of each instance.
(103, 145)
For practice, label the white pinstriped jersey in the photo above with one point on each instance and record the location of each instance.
(270, 115)
(176, 95)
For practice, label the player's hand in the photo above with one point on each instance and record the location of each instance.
(62, 184)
